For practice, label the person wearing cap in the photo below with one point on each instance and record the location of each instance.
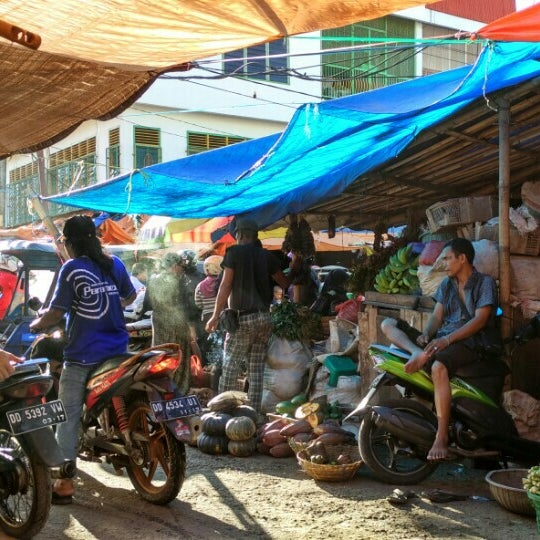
(92, 289)
(246, 287)
(173, 316)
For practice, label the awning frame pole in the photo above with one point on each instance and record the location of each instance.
(504, 215)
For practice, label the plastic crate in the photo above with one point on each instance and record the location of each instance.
(455, 212)
(520, 244)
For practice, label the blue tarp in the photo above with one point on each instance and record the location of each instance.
(325, 147)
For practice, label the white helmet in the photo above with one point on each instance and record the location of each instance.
(212, 265)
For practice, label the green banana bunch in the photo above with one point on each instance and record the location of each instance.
(399, 276)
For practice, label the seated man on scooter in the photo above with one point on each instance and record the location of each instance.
(461, 325)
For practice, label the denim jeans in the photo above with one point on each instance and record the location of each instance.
(71, 391)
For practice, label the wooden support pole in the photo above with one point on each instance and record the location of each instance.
(20, 35)
(49, 223)
(504, 215)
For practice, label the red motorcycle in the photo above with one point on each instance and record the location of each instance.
(136, 419)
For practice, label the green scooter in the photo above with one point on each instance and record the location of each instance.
(395, 435)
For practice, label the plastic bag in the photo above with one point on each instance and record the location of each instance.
(431, 251)
(348, 310)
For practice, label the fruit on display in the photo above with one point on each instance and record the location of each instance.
(305, 433)
(212, 444)
(220, 428)
(532, 481)
(227, 401)
(285, 408)
(246, 410)
(399, 276)
(243, 448)
(240, 428)
(213, 423)
(282, 450)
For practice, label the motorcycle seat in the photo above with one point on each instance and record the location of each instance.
(483, 368)
(396, 351)
(111, 363)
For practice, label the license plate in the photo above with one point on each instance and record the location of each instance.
(36, 417)
(176, 408)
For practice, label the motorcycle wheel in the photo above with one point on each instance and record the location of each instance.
(157, 468)
(391, 459)
(25, 494)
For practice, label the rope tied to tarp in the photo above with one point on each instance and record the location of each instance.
(129, 185)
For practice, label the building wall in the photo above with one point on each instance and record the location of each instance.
(480, 10)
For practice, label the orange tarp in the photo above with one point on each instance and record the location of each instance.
(112, 233)
(202, 233)
(522, 25)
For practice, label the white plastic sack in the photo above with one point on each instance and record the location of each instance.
(486, 258)
(284, 383)
(285, 354)
(269, 401)
(429, 279)
(347, 391)
(342, 335)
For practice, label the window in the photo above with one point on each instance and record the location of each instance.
(147, 147)
(22, 181)
(200, 142)
(71, 168)
(113, 153)
(265, 62)
(444, 57)
(351, 72)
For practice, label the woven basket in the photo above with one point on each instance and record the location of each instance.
(332, 473)
(506, 486)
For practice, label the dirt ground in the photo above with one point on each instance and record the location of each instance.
(262, 497)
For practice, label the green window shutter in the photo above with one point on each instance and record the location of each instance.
(113, 153)
(147, 146)
(71, 168)
(201, 142)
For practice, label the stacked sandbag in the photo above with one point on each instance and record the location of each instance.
(524, 283)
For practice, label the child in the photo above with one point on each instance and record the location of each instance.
(205, 299)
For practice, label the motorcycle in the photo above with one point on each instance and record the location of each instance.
(395, 435)
(140, 334)
(135, 418)
(29, 454)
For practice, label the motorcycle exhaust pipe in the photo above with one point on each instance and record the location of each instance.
(406, 426)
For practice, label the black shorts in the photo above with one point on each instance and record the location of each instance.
(453, 357)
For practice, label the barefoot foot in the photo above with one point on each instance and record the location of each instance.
(416, 362)
(439, 450)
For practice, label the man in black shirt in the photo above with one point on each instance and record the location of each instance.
(247, 288)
